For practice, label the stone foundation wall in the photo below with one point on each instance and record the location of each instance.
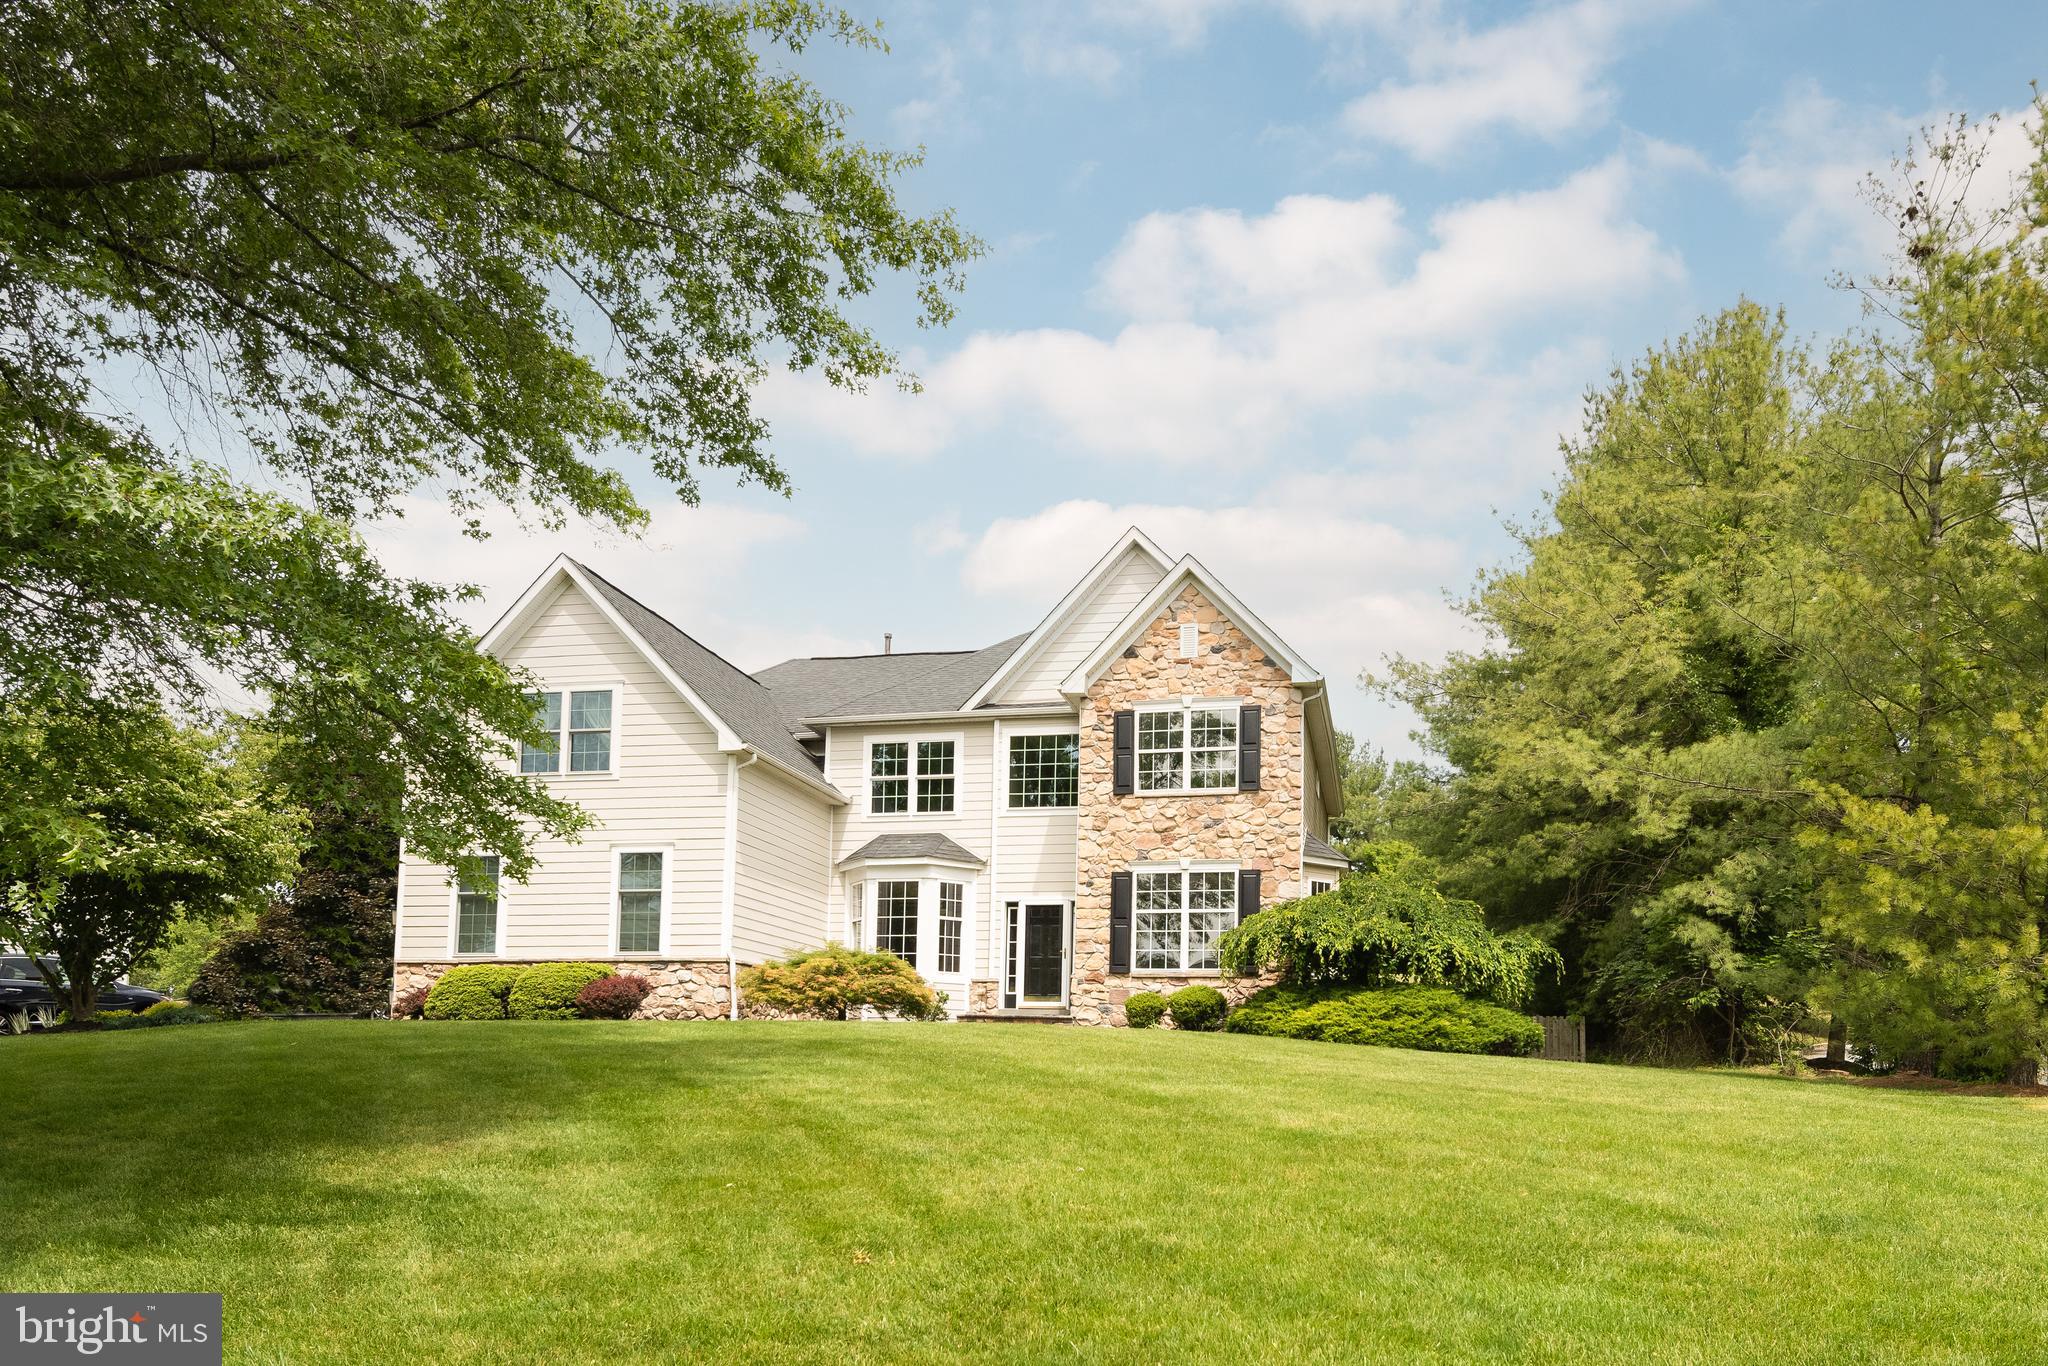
(1260, 829)
(983, 996)
(682, 990)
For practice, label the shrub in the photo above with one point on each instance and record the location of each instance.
(1387, 925)
(835, 980)
(324, 947)
(472, 991)
(1431, 1018)
(410, 1005)
(1143, 1009)
(162, 1013)
(612, 997)
(1196, 1008)
(547, 991)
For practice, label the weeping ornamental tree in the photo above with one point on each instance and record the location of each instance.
(1387, 924)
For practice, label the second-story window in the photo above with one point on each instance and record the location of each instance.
(1045, 770)
(582, 729)
(911, 775)
(1187, 749)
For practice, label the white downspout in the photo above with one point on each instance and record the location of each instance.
(729, 883)
(993, 903)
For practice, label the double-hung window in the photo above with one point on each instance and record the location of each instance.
(1187, 749)
(911, 775)
(1045, 770)
(476, 909)
(952, 896)
(578, 723)
(1178, 915)
(896, 919)
(639, 908)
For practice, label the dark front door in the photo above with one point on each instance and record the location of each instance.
(1045, 952)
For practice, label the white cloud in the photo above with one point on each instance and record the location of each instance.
(690, 566)
(1173, 265)
(1811, 158)
(1541, 74)
(1239, 327)
(1187, 21)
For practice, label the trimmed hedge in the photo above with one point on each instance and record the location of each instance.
(1430, 1018)
(1143, 1009)
(547, 991)
(162, 1013)
(1197, 1008)
(472, 991)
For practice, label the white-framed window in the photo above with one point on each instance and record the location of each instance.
(476, 909)
(579, 726)
(639, 899)
(856, 909)
(912, 775)
(1319, 885)
(1187, 748)
(1045, 770)
(1177, 915)
(952, 896)
(896, 919)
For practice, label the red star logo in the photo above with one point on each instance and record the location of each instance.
(137, 1318)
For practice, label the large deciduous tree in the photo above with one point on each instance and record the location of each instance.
(267, 268)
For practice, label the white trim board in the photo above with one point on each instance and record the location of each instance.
(1065, 610)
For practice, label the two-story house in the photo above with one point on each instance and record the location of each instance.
(1045, 825)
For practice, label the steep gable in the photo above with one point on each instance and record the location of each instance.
(1093, 608)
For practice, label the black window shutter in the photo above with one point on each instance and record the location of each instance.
(1125, 752)
(1247, 893)
(1120, 921)
(1248, 749)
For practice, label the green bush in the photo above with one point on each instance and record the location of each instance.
(836, 981)
(162, 1013)
(1431, 1018)
(547, 991)
(1197, 1008)
(472, 991)
(1143, 1009)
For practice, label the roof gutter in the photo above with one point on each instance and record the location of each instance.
(1049, 709)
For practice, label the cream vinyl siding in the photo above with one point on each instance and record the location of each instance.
(846, 768)
(1312, 814)
(1133, 576)
(779, 890)
(1036, 854)
(667, 792)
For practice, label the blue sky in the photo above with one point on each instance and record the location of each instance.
(1309, 288)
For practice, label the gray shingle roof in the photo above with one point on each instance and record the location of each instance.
(908, 845)
(883, 685)
(1321, 852)
(739, 701)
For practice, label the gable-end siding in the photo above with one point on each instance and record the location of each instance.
(780, 887)
(1315, 820)
(1126, 584)
(668, 793)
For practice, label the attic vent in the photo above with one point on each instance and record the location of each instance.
(1190, 639)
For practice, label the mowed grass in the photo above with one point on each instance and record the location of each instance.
(372, 1192)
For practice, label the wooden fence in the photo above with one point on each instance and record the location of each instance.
(1564, 1039)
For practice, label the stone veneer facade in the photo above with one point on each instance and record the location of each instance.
(682, 990)
(1260, 829)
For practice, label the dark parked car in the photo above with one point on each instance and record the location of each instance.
(26, 1001)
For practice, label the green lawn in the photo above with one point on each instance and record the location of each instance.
(371, 1192)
